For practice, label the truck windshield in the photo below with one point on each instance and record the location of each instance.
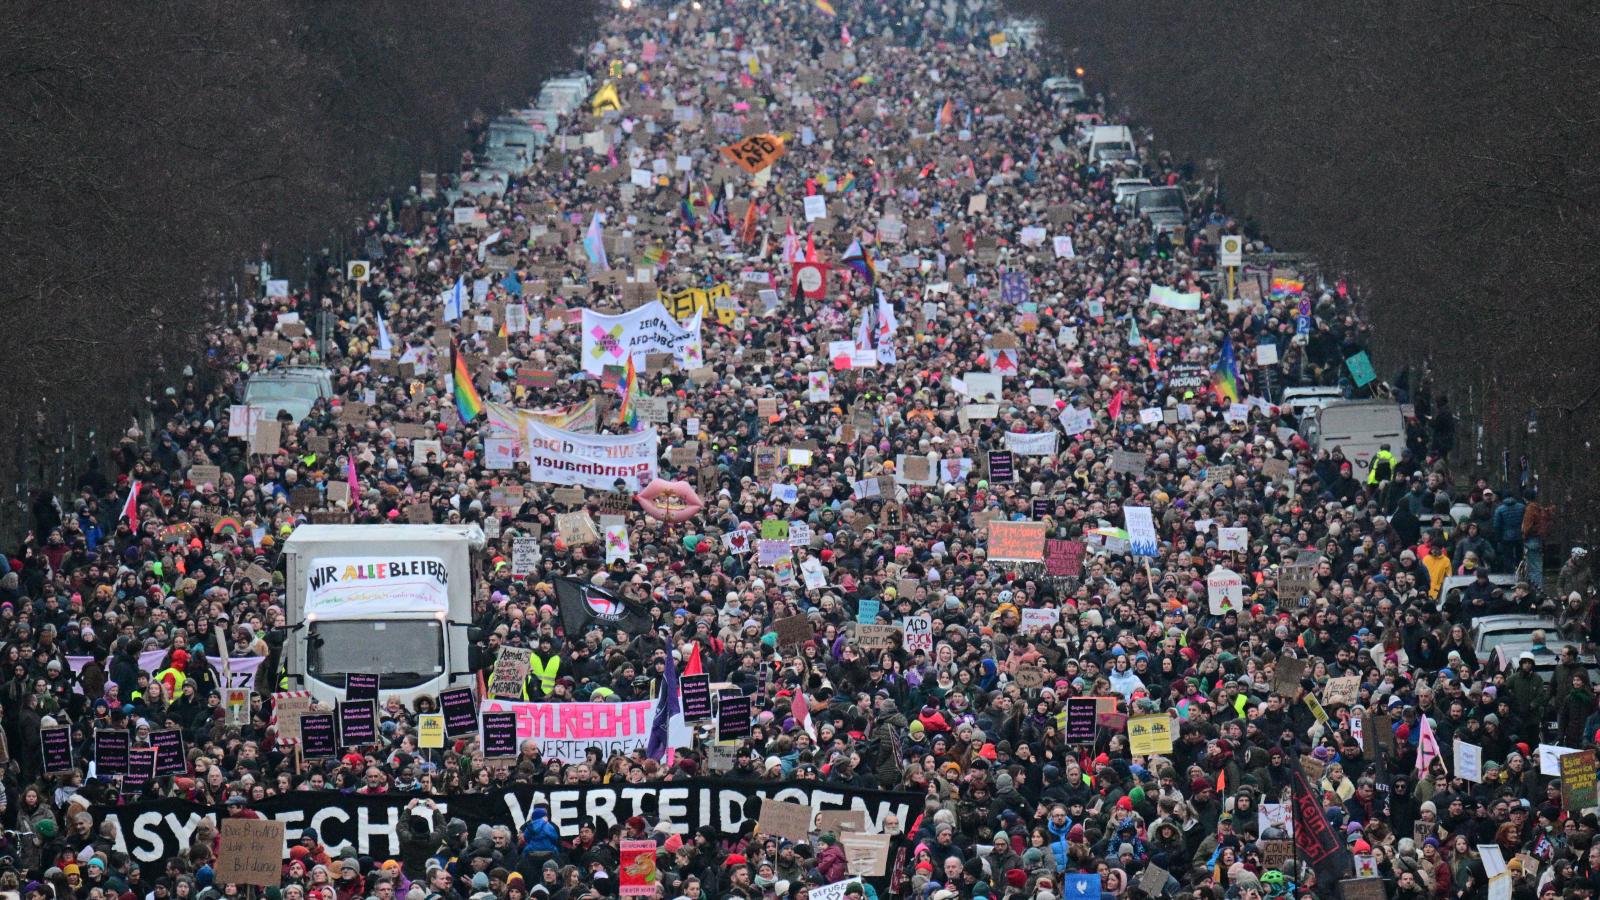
(401, 652)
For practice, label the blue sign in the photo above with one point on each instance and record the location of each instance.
(1080, 887)
(867, 611)
(1302, 324)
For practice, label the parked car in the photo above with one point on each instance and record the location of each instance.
(1545, 659)
(291, 389)
(1449, 592)
(1490, 632)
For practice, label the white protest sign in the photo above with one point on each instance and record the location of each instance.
(1232, 538)
(1224, 590)
(1469, 765)
(918, 633)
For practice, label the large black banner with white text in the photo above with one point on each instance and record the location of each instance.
(155, 830)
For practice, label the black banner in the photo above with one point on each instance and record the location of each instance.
(460, 712)
(1312, 833)
(156, 830)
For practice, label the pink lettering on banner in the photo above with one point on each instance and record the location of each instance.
(565, 730)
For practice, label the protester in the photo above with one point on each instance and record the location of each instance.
(1201, 572)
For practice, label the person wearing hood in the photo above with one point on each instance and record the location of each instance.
(540, 839)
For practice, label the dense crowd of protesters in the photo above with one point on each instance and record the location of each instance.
(914, 112)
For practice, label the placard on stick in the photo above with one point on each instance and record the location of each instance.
(499, 735)
(318, 735)
(56, 746)
(460, 712)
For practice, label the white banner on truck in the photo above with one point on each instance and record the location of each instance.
(348, 586)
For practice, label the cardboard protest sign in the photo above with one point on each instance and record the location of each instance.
(786, 820)
(251, 852)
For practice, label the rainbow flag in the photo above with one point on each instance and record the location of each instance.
(468, 404)
(1288, 287)
(689, 218)
(655, 255)
(1225, 374)
(628, 414)
(825, 7)
(848, 184)
(859, 260)
(863, 80)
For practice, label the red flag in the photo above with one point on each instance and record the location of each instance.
(692, 667)
(130, 509)
(1115, 407)
(811, 248)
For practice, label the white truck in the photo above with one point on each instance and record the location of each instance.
(393, 601)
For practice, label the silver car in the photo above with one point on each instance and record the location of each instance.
(293, 389)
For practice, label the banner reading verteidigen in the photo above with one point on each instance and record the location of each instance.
(591, 460)
(155, 831)
(565, 730)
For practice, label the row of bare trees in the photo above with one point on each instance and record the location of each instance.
(149, 150)
(1441, 154)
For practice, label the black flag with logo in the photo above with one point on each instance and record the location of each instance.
(584, 605)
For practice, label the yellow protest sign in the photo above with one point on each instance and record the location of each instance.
(1149, 734)
(684, 304)
(755, 152)
(430, 731)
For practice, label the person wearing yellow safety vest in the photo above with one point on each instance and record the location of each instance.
(544, 665)
(1382, 468)
(173, 676)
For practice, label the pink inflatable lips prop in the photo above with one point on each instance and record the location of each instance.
(670, 501)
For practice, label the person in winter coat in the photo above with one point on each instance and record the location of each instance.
(1528, 690)
(1505, 525)
(1574, 708)
(539, 837)
(830, 860)
(418, 839)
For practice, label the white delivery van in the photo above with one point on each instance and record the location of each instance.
(1359, 428)
(393, 601)
(1112, 143)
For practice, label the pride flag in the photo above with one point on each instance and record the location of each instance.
(468, 404)
(825, 7)
(860, 260)
(1225, 374)
(628, 414)
(1288, 287)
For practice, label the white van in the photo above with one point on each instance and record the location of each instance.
(1112, 143)
(1359, 428)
